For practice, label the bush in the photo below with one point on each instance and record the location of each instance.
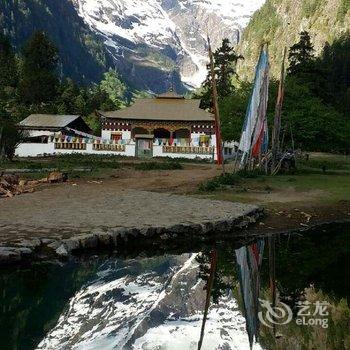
(218, 181)
(249, 174)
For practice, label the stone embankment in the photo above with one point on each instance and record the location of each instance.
(63, 221)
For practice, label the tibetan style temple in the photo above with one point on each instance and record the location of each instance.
(167, 125)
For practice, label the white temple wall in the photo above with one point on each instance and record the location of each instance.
(187, 156)
(34, 149)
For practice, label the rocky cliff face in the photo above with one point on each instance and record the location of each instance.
(168, 36)
(279, 22)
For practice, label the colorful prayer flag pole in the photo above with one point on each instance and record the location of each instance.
(254, 139)
(278, 114)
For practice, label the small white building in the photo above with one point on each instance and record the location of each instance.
(40, 131)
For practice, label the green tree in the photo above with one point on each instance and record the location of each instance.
(10, 136)
(334, 62)
(67, 94)
(8, 64)
(8, 74)
(315, 125)
(39, 82)
(113, 86)
(301, 55)
(225, 60)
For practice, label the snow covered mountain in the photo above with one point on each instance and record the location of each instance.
(154, 43)
(149, 303)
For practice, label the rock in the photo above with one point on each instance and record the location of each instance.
(8, 254)
(105, 239)
(54, 245)
(96, 232)
(178, 228)
(73, 243)
(145, 231)
(32, 244)
(220, 226)
(47, 241)
(62, 251)
(164, 236)
(25, 252)
(88, 241)
(57, 176)
(116, 234)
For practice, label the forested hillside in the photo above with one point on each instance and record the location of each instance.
(82, 56)
(279, 22)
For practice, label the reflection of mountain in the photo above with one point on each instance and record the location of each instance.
(152, 303)
(147, 301)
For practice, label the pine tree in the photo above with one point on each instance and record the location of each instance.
(301, 55)
(8, 74)
(225, 60)
(67, 93)
(8, 64)
(39, 82)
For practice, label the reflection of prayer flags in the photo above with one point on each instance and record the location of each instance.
(249, 259)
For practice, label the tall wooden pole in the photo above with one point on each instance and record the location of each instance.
(216, 111)
(278, 115)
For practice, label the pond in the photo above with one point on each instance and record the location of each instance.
(288, 291)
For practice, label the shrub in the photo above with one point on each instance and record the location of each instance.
(218, 181)
(249, 174)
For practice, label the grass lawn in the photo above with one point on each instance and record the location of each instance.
(86, 166)
(308, 184)
(313, 187)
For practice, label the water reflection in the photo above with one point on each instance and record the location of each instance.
(206, 299)
(249, 259)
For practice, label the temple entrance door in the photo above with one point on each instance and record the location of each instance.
(144, 146)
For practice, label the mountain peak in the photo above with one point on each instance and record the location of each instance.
(169, 35)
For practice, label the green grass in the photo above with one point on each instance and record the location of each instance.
(331, 186)
(331, 162)
(334, 187)
(85, 166)
(64, 162)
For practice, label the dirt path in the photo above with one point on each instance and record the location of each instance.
(173, 181)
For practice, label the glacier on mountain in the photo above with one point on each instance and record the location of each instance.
(168, 35)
